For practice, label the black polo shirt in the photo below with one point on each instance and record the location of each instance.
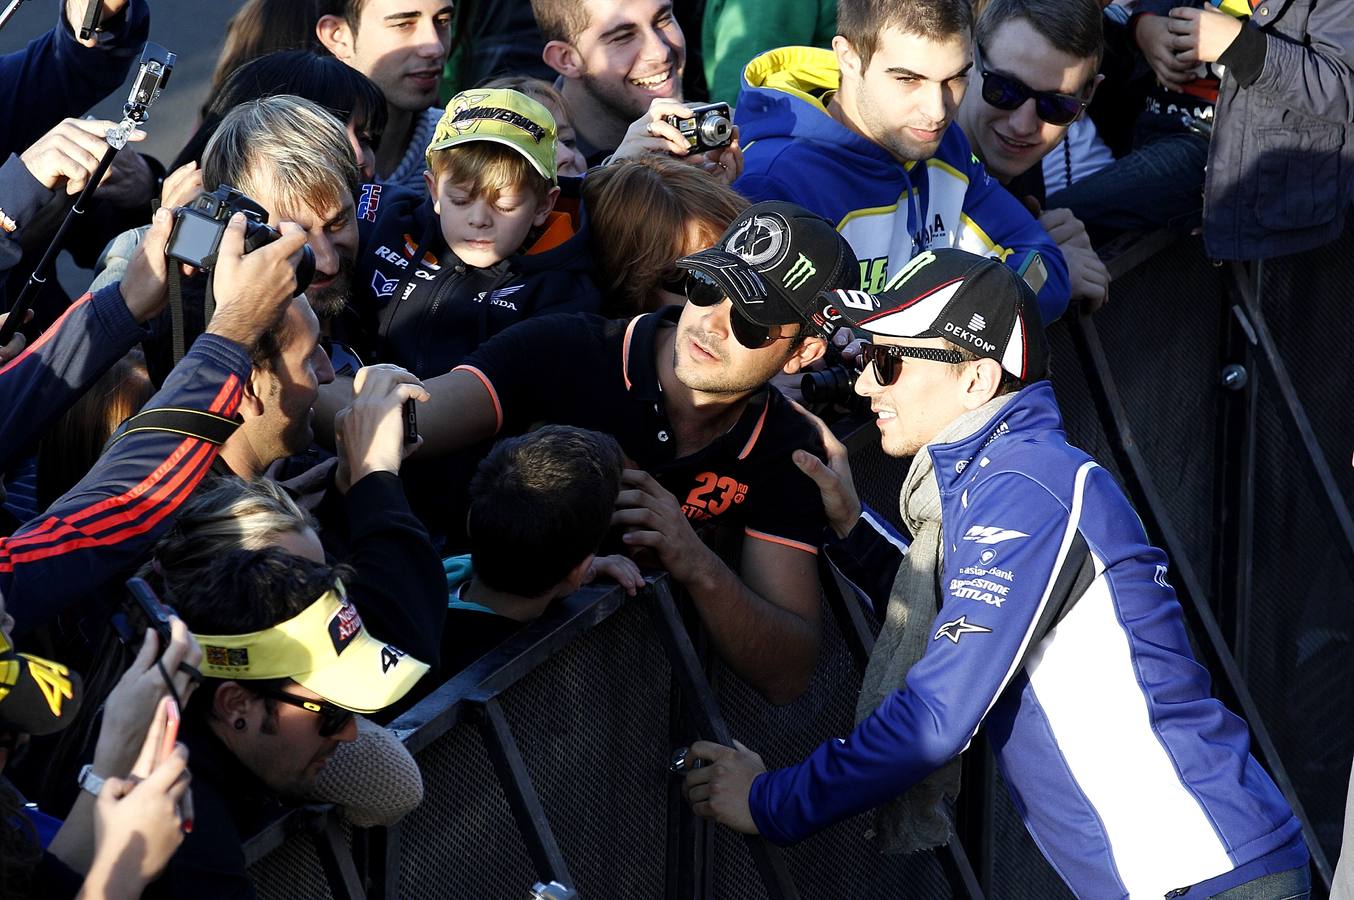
(590, 372)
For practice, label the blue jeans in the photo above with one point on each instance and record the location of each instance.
(1158, 185)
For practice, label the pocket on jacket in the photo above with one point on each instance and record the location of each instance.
(1299, 172)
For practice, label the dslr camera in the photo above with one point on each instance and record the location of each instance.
(708, 128)
(196, 237)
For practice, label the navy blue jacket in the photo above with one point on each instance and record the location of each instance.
(106, 523)
(427, 316)
(53, 78)
(1132, 778)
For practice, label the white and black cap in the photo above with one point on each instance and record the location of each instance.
(974, 302)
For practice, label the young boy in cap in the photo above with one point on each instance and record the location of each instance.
(1057, 628)
(486, 248)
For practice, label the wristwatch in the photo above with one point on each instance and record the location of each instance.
(90, 782)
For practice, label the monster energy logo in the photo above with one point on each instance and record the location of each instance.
(800, 272)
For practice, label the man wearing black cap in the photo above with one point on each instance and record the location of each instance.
(684, 390)
(1057, 628)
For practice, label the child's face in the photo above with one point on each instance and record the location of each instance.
(482, 233)
(568, 161)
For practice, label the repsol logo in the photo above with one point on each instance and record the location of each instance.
(969, 337)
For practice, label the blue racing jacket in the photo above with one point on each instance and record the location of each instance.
(104, 525)
(887, 211)
(1132, 779)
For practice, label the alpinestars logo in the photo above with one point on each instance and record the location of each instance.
(958, 628)
(799, 273)
(977, 323)
(990, 534)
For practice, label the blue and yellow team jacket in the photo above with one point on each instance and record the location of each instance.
(887, 210)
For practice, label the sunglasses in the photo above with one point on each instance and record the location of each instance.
(702, 290)
(888, 361)
(333, 719)
(1005, 92)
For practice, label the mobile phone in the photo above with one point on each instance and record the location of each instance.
(1033, 271)
(410, 422)
(171, 735)
(93, 15)
(146, 611)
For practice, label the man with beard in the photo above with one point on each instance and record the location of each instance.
(684, 391)
(401, 46)
(861, 134)
(614, 57)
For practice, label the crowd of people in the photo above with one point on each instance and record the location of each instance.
(446, 310)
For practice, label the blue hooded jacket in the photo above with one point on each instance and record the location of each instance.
(888, 211)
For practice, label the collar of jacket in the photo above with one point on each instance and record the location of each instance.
(1033, 411)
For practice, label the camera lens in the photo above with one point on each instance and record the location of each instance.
(715, 130)
(833, 385)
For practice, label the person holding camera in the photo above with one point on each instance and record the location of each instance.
(1029, 603)
(614, 59)
(114, 514)
(712, 495)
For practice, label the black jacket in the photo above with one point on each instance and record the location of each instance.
(429, 316)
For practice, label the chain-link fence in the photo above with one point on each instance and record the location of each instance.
(568, 772)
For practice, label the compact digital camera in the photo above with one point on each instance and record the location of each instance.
(709, 127)
(196, 237)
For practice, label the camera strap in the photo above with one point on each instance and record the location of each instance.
(177, 335)
(194, 423)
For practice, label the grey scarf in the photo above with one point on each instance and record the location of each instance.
(919, 819)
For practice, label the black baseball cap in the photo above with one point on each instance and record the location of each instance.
(775, 259)
(36, 696)
(974, 302)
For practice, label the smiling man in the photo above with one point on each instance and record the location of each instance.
(1037, 65)
(401, 46)
(861, 135)
(1057, 629)
(614, 57)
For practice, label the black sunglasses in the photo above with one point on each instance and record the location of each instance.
(888, 361)
(1005, 92)
(333, 719)
(702, 290)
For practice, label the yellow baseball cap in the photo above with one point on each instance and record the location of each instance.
(505, 117)
(324, 648)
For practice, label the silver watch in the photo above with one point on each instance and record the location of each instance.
(88, 781)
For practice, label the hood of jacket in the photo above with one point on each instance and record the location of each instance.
(784, 98)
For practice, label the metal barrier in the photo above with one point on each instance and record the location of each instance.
(547, 758)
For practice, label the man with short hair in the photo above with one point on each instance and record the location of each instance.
(401, 46)
(684, 391)
(287, 662)
(1037, 64)
(1057, 628)
(614, 57)
(861, 135)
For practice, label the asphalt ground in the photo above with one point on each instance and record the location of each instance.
(193, 29)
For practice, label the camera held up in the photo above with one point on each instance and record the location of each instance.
(196, 237)
(708, 128)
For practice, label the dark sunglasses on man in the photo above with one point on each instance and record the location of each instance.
(333, 719)
(1007, 93)
(888, 360)
(702, 290)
